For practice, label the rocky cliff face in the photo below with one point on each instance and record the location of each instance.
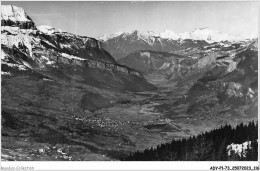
(15, 17)
(44, 48)
(68, 48)
(20, 24)
(86, 63)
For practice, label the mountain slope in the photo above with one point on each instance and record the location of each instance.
(46, 49)
(208, 146)
(49, 78)
(149, 61)
(227, 89)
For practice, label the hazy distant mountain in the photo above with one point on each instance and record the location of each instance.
(206, 34)
(122, 44)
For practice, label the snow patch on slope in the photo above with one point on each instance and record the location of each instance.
(5, 73)
(18, 66)
(5, 61)
(14, 36)
(3, 55)
(19, 39)
(165, 65)
(65, 55)
(47, 61)
(145, 54)
(240, 149)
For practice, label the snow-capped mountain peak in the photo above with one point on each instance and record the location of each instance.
(211, 35)
(132, 33)
(152, 33)
(170, 34)
(204, 33)
(13, 16)
(13, 13)
(47, 29)
(106, 37)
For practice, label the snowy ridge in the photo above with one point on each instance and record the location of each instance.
(147, 37)
(28, 42)
(213, 36)
(109, 36)
(168, 34)
(47, 29)
(206, 34)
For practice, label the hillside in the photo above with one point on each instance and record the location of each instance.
(216, 145)
(149, 61)
(48, 78)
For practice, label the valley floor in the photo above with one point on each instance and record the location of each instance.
(41, 132)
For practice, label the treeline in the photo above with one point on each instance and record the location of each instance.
(208, 146)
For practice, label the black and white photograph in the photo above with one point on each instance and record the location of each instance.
(128, 81)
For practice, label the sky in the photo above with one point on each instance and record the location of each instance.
(95, 19)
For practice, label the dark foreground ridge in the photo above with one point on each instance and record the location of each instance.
(215, 145)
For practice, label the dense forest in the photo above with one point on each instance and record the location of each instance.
(208, 146)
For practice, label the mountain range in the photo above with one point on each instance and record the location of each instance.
(123, 43)
(205, 33)
(71, 97)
